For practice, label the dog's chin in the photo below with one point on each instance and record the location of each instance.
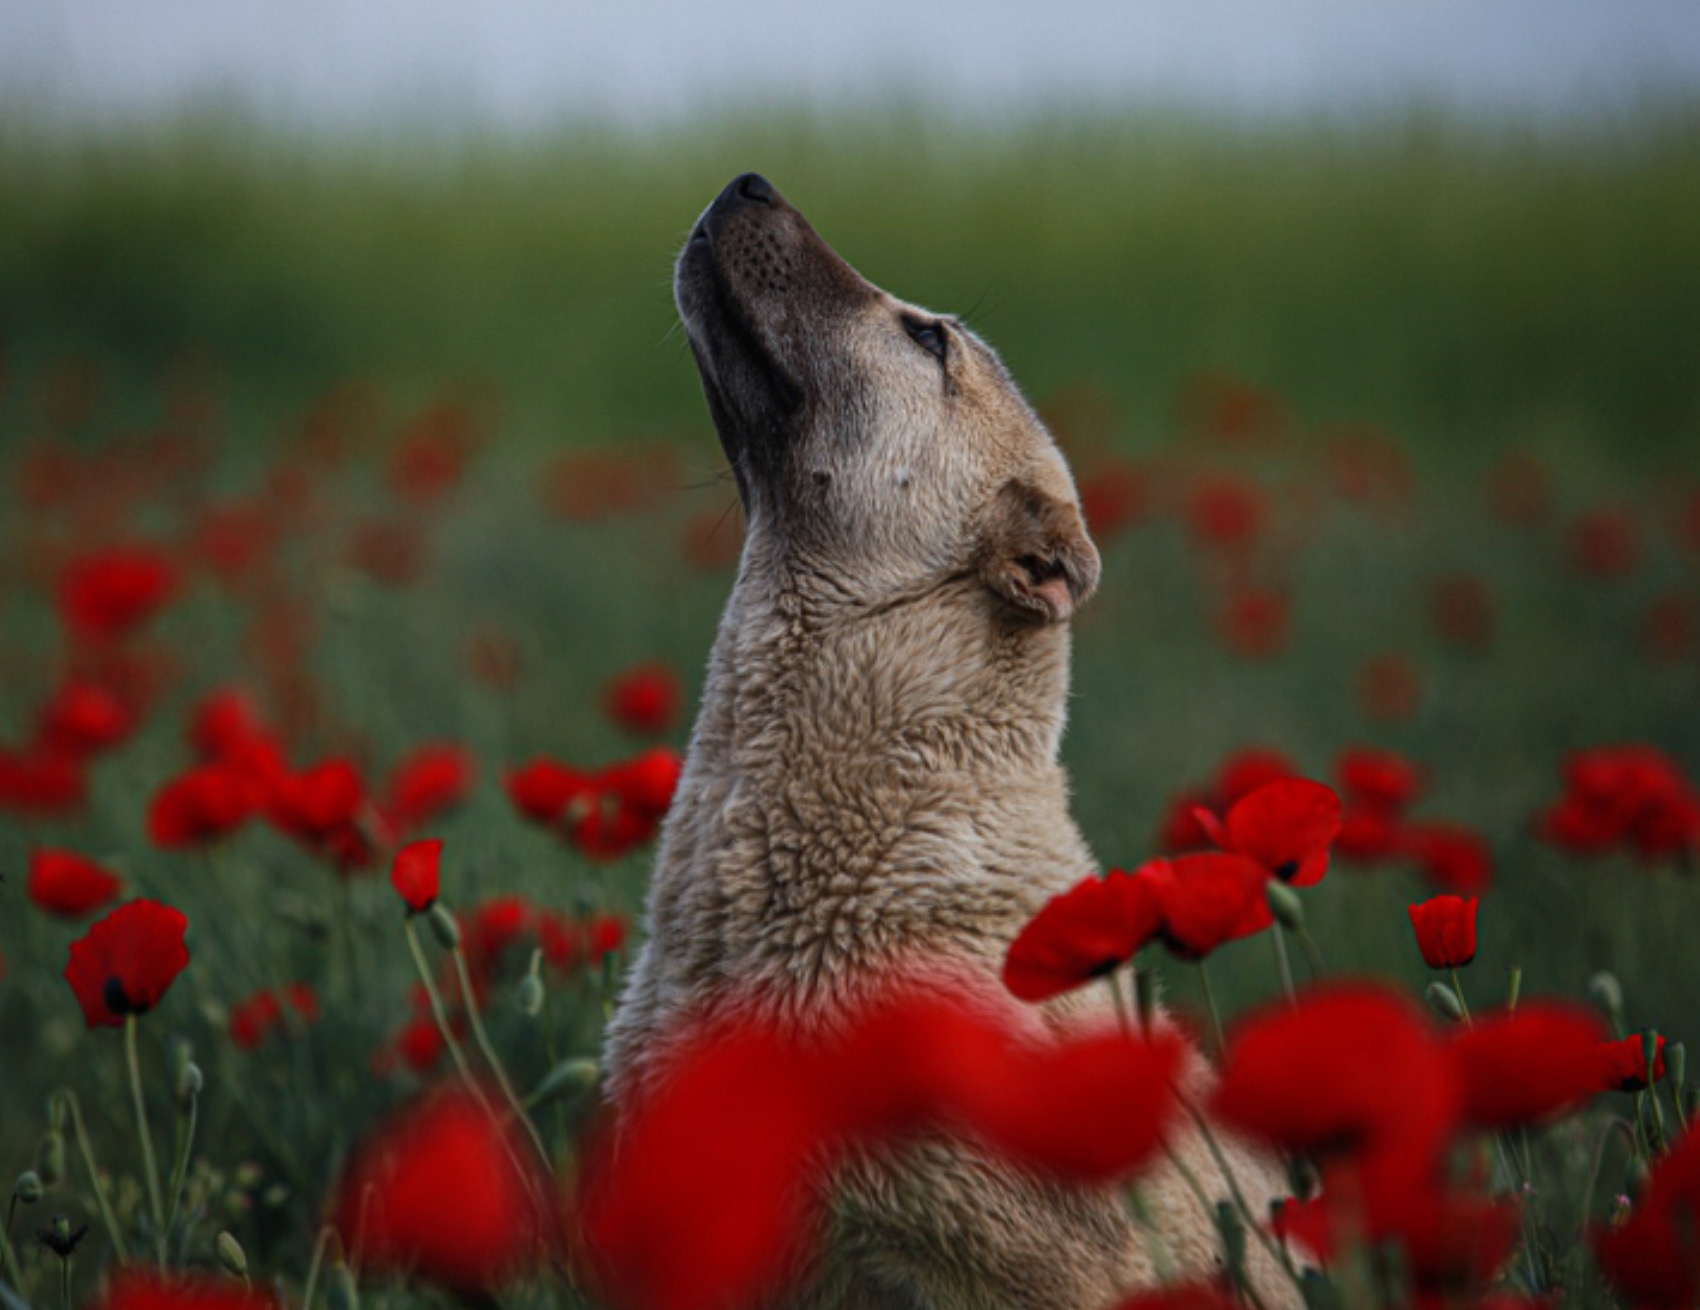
(754, 401)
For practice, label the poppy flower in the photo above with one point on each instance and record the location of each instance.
(544, 790)
(1082, 934)
(322, 808)
(1605, 543)
(1368, 834)
(42, 782)
(427, 782)
(69, 885)
(417, 1046)
(1253, 622)
(1208, 900)
(645, 699)
(1527, 1066)
(1446, 931)
(1113, 498)
(1389, 688)
(415, 873)
(1449, 855)
(604, 934)
(127, 961)
(1246, 770)
(136, 1288)
(110, 592)
(1622, 1065)
(199, 806)
(85, 717)
(1186, 1296)
(646, 782)
(562, 941)
(1286, 826)
(222, 722)
(608, 829)
(439, 1193)
(489, 929)
(253, 1020)
(1226, 513)
(1653, 1257)
(1380, 778)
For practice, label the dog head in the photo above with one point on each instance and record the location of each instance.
(875, 443)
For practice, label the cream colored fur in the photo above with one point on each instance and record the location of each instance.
(873, 780)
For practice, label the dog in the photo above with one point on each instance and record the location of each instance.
(873, 778)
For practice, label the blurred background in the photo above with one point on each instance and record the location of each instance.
(1372, 331)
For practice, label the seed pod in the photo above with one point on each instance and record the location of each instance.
(568, 1078)
(444, 926)
(342, 1294)
(529, 996)
(1605, 988)
(1285, 905)
(1515, 990)
(50, 1157)
(1445, 1002)
(28, 1188)
(231, 1255)
(189, 1083)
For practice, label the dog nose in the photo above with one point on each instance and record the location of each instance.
(753, 186)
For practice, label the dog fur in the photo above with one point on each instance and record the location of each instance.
(873, 779)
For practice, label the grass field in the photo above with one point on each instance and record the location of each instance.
(1352, 330)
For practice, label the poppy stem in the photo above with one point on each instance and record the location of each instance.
(1279, 936)
(490, 1057)
(1613, 1125)
(326, 1236)
(1161, 1260)
(1255, 1223)
(150, 1166)
(68, 1098)
(1313, 956)
(9, 1257)
(1213, 1008)
(65, 1281)
(185, 1145)
(441, 1015)
(1458, 991)
(1123, 1020)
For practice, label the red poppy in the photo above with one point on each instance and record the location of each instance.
(562, 940)
(1113, 498)
(418, 1046)
(1351, 1068)
(1380, 778)
(199, 806)
(1449, 855)
(1390, 688)
(1368, 833)
(544, 790)
(439, 1192)
(604, 934)
(108, 593)
(1246, 770)
(645, 699)
(427, 782)
(42, 782)
(1622, 1066)
(1631, 795)
(323, 807)
(415, 873)
(1084, 933)
(608, 829)
(1225, 512)
(255, 1019)
(1187, 1296)
(1208, 900)
(646, 782)
(1286, 826)
(1529, 1065)
(1605, 543)
(1253, 622)
(83, 718)
(1654, 1257)
(489, 929)
(1180, 830)
(69, 885)
(223, 723)
(127, 961)
(136, 1288)
(1446, 931)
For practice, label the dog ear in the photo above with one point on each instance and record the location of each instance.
(1034, 552)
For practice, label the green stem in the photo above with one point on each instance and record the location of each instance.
(326, 1236)
(1120, 1001)
(1283, 966)
(180, 1168)
(150, 1166)
(490, 1057)
(1612, 1125)
(440, 1014)
(1458, 991)
(9, 1256)
(107, 1218)
(1213, 1008)
(65, 1281)
(1205, 1204)
(1276, 1251)
(1313, 956)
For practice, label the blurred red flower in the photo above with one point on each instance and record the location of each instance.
(1082, 934)
(1253, 622)
(1286, 826)
(323, 807)
(1631, 795)
(425, 783)
(127, 961)
(1463, 611)
(604, 934)
(255, 1019)
(1622, 1066)
(42, 782)
(135, 1288)
(83, 718)
(1527, 1066)
(415, 873)
(1654, 1257)
(440, 1193)
(201, 805)
(645, 699)
(545, 790)
(1378, 777)
(1605, 543)
(1208, 900)
(106, 594)
(1368, 833)
(1449, 855)
(69, 885)
(1446, 931)
(1390, 688)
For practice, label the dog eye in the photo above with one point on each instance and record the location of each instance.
(930, 336)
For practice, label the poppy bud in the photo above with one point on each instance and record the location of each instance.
(50, 1156)
(1515, 989)
(444, 926)
(28, 1188)
(189, 1083)
(231, 1255)
(1285, 905)
(528, 996)
(342, 1294)
(1676, 1061)
(1605, 988)
(1445, 1002)
(1635, 1178)
(568, 1078)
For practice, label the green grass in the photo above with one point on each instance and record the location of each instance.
(1469, 290)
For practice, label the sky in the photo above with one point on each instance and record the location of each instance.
(536, 63)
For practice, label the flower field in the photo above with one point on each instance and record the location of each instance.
(362, 537)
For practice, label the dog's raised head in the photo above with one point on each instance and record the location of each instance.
(871, 438)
